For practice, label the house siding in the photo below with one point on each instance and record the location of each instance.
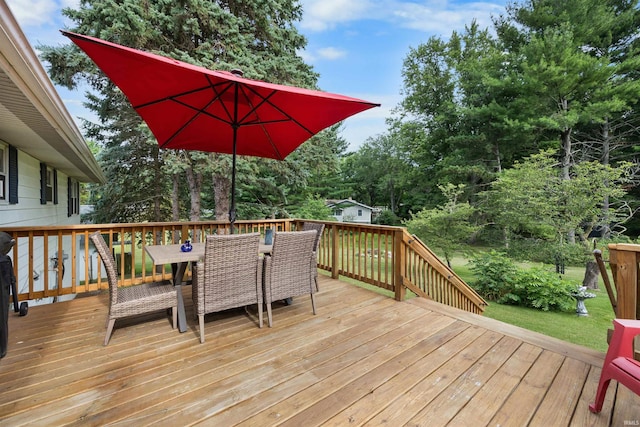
(350, 214)
(30, 212)
(351, 211)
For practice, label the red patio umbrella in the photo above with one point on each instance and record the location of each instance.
(194, 108)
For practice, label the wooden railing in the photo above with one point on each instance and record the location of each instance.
(427, 276)
(382, 256)
(624, 261)
(392, 259)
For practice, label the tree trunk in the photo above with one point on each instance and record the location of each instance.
(496, 152)
(591, 275)
(392, 197)
(505, 235)
(194, 179)
(157, 185)
(605, 160)
(175, 199)
(565, 137)
(222, 196)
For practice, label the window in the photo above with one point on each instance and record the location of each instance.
(359, 212)
(48, 185)
(73, 193)
(337, 212)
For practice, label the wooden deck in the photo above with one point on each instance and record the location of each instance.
(364, 359)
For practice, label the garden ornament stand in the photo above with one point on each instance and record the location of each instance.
(581, 294)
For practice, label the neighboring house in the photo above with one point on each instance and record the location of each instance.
(348, 210)
(43, 155)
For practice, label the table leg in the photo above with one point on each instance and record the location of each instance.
(178, 274)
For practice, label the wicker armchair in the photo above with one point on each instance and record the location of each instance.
(319, 228)
(289, 270)
(133, 300)
(229, 276)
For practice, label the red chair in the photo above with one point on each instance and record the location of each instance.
(619, 363)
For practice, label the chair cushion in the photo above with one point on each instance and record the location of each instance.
(144, 298)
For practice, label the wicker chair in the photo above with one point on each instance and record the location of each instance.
(289, 270)
(133, 300)
(319, 229)
(229, 276)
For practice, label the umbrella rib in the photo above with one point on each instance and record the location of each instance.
(200, 111)
(262, 123)
(266, 99)
(254, 109)
(173, 97)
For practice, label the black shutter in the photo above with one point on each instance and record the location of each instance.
(55, 187)
(13, 175)
(43, 184)
(77, 209)
(70, 202)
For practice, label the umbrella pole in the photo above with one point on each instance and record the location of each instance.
(232, 209)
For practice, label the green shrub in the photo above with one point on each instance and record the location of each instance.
(314, 207)
(499, 279)
(541, 289)
(387, 217)
(494, 274)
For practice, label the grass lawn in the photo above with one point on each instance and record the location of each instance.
(589, 331)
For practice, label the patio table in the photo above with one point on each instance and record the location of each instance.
(171, 254)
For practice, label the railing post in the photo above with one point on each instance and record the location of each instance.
(398, 265)
(335, 251)
(184, 234)
(627, 285)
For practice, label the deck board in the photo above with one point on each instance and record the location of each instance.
(481, 362)
(562, 396)
(364, 359)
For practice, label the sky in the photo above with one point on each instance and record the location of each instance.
(356, 46)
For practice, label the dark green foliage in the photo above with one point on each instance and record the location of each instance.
(379, 171)
(313, 208)
(448, 227)
(386, 217)
(540, 288)
(500, 280)
(548, 252)
(495, 274)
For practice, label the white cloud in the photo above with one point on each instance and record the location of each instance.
(320, 15)
(331, 53)
(327, 53)
(431, 16)
(33, 12)
(307, 56)
(444, 17)
(74, 4)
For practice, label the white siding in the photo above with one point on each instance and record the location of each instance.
(354, 213)
(29, 212)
